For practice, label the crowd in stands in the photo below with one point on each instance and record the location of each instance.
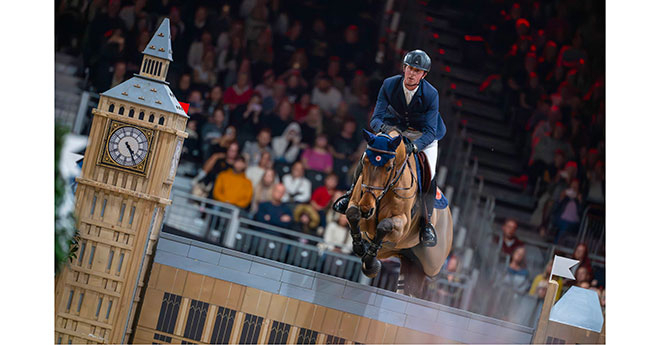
(552, 77)
(277, 91)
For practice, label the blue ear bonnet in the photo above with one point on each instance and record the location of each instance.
(378, 143)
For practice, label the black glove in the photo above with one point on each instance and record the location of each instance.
(411, 147)
(385, 128)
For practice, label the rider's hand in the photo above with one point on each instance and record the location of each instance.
(386, 129)
(411, 147)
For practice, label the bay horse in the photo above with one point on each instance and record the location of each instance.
(380, 214)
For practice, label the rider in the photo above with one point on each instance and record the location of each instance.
(410, 104)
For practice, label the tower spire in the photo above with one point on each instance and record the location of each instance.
(158, 53)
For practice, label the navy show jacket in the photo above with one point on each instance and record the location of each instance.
(421, 114)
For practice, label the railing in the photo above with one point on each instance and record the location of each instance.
(83, 118)
(219, 223)
(592, 229)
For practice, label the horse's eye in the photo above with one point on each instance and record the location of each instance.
(389, 167)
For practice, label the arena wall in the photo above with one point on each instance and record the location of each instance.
(200, 293)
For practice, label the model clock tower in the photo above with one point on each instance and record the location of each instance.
(131, 159)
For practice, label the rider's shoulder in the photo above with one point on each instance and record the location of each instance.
(392, 79)
(429, 87)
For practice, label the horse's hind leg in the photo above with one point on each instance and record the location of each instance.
(353, 216)
(412, 277)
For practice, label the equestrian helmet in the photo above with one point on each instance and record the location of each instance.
(418, 59)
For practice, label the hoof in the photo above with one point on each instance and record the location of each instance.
(371, 267)
(353, 214)
(359, 248)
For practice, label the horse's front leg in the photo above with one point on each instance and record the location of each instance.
(353, 215)
(370, 264)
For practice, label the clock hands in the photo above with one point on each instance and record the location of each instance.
(131, 151)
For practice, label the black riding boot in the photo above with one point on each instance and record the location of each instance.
(342, 202)
(427, 232)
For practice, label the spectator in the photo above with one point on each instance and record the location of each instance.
(318, 44)
(509, 239)
(312, 125)
(301, 109)
(289, 44)
(306, 220)
(182, 91)
(195, 101)
(198, 49)
(298, 187)
(214, 100)
(361, 111)
(119, 74)
(343, 147)
(246, 117)
(318, 158)
(232, 186)
(287, 146)
(263, 189)
(239, 93)
(212, 131)
(357, 88)
(326, 96)
(219, 162)
(324, 194)
(516, 276)
(568, 212)
(581, 253)
(540, 284)
(229, 59)
(191, 151)
(256, 172)
(295, 85)
(278, 95)
(265, 89)
(337, 237)
(254, 150)
(543, 154)
(596, 185)
(204, 72)
(280, 119)
(275, 211)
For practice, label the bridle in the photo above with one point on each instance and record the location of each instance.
(393, 180)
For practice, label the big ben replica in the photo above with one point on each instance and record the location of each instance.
(131, 159)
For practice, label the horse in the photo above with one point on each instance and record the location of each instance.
(380, 216)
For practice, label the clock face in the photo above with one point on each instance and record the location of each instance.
(128, 146)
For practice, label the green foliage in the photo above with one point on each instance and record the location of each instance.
(66, 234)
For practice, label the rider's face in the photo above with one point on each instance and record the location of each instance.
(412, 76)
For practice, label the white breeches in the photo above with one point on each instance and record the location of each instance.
(431, 152)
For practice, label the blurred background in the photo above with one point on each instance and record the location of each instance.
(278, 94)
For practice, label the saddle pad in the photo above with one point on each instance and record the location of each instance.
(423, 174)
(440, 200)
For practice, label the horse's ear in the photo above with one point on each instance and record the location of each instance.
(368, 136)
(394, 143)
